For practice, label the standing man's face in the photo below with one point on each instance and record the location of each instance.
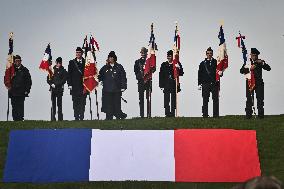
(143, 54)
(170, 58)
(79, 54)
(209, 54)
(18, 62)
(254, 57)
(111, 60)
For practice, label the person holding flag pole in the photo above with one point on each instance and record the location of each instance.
(18, 81)
(169, 78)
(254, 81)
(144, 68)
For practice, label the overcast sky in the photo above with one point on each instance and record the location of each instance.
(124, 26)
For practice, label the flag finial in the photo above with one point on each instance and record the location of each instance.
(221, 22)
(11, 35)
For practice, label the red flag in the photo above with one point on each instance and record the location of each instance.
(222, 58)
(10, 69)
(150, 65)
(90, 79)
(45, 63)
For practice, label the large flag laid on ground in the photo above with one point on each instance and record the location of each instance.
(183, 155)
(46, 61)
(90, 80)
(10, 69)
(150, 65)
(249, 76)
(222, 58)
(176, 49)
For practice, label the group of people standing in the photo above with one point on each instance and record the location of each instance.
(113, 78)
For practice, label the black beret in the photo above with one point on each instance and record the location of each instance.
(79, 49)
(254, 51)
(112, 54)
(17, 57)
(209, 49)
(170, 53)
(59, 60)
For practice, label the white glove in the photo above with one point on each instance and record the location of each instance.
(162, 89)
(70, 87)
(199, 87)
(177, 65)
(52, 85)
(220, 72)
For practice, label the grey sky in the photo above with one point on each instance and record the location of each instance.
(124, 26)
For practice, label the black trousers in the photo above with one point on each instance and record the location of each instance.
(141, 102)
(259, 91)
(18, 107)
(79, 103)
(169, 98)
(112, 105)
(56, 97)
(212, 88)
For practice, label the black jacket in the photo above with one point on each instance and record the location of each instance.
(21, 82)
(207, 72)
(166, 77)
(139, 73)
(113, 78)
(58, 79)
(75, 76)
(257, 71)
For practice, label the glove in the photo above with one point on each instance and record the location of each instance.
(162, 89)
(220, 73)
(199, 87)
(177, 65)
(52, 85)
(70, 87)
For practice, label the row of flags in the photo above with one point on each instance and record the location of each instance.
(91, 71)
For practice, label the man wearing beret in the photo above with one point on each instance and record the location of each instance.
(56, 82)
(142, 86)
(75, 82)
(167, 83)
(113, 77)
(20, 88)
(207, 82)
(255, 68)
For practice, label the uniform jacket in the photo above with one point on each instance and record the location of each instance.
(58, 79)
(207, 72)
(21, 82)
(75, 76)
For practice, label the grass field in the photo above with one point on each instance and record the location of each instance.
(270, 138)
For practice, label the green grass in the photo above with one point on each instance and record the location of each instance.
(270, 138)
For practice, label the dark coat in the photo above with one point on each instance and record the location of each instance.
(113, 78)
(257, 71)
(139, 73)
(75, 76)
(207, 72)
(166, 77)
(21, 82)
(58, 79)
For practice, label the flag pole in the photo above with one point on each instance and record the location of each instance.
(176, 77)
(12, 61)
(97, 104)
(91, 112)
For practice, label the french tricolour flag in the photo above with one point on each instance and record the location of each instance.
(185, 155)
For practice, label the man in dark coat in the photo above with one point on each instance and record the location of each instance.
(75, 82)
(207, 82)
(20, 89)
(56, 82)
(113, 77)
(256, 67)
(142, 86)
(167, 83)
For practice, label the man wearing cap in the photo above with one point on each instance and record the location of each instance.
(142, 86)
(255, 67)
(113, 77)
(75, 84)
(207, 82)
(20, 89)
(56, 82)
(167, 83)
